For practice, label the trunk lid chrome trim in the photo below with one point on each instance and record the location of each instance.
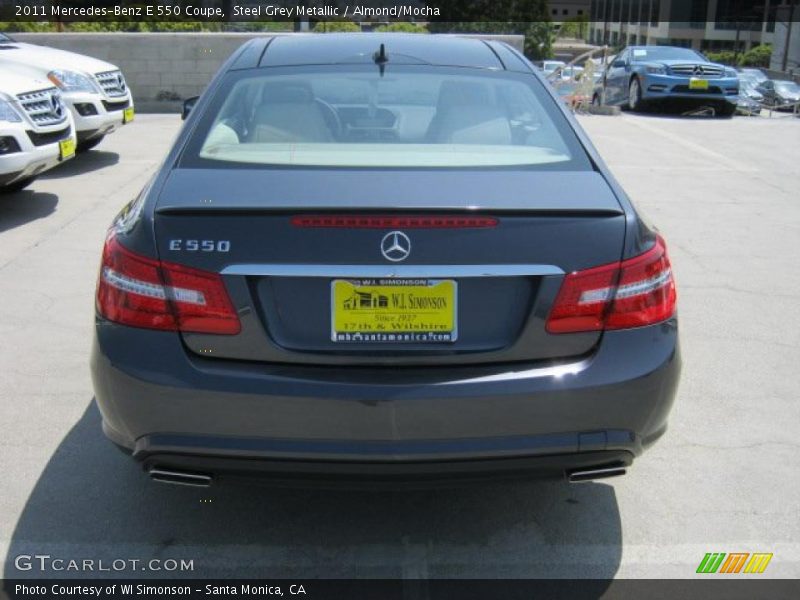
(391, 271)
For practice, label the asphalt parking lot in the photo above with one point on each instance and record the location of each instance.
(725, 478)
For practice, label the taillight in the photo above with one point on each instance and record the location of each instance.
(632, 293)
(142, 292)
(582, 300)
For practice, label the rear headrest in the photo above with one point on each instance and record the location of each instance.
(462, 93)
(474, 125)
(288, 93)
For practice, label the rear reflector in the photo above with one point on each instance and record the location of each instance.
(392, 222)
(632, 293)
(142, 292)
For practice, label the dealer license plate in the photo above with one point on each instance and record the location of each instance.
(66, 149)
(394, 311)
(698, 84)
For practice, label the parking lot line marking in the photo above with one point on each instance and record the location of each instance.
(694, 146)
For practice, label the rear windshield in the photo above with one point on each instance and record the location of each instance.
(350, 116)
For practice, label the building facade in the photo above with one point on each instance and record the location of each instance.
(565, 10)
(786, 47)
(711, 25)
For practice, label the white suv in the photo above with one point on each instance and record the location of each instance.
(36, 129)
(95, 91)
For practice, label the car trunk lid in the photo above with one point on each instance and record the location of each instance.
(291, 276)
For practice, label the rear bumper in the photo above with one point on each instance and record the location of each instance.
(171, 409)
(371, 473)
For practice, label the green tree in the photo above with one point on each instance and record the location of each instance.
(538, 35)
(403, 27)
(335, 26)
(27, 26)
(576, 27)
(758, 56)
(257, 26)
(530, 18)
(725, 57)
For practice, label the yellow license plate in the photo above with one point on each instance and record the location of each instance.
(698, 84)
(66, 149)
(393, 311)
(127, 115)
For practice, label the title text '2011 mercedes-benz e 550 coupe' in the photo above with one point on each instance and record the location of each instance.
(383, 257)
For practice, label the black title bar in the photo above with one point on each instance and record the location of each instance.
(493, 11)
(707, 588)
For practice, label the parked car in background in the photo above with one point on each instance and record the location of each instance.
(783, 95)
(457, 288)
(548, 66)
(749, 104)
(748, 78)
(646, 74)
(572, 72)
(36, 129)
(753, 74)
(94, 91)
(750, 99)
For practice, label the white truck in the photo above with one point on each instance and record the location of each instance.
(37, 131)
(94, 91)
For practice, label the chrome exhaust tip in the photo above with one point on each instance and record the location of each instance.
(180, 477)
(592, 474)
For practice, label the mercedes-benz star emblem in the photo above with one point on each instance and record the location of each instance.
(395, 246)
(58, 108)
(698, 70)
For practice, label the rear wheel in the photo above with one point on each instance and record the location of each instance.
(635, 95)
(87, 145)
(16, 186)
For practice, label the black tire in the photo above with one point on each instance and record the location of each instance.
(635, 102)
(87, 145)
(17, 185)
(726, 110)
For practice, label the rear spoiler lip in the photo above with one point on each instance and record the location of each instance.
(487, 210)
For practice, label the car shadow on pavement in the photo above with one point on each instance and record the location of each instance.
(691, 112)
(86, 162)
(25, 206)
(91, 501)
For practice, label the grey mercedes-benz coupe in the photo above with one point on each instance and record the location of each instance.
(383, 257)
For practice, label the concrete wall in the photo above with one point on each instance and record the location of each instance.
(164, 68)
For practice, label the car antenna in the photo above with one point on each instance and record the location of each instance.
(380, 58)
